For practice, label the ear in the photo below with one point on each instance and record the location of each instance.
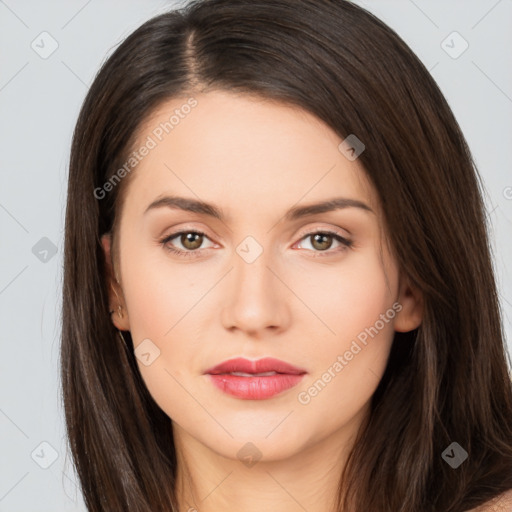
(410, 299)
(116, 299)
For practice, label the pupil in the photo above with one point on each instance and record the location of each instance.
(318, 238)
(191, 240)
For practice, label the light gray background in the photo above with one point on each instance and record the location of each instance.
(39, 103)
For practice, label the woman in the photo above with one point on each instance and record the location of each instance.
(273, 205)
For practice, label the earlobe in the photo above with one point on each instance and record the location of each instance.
(117, 308)
(410, 315)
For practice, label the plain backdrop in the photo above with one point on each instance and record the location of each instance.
(50, 52)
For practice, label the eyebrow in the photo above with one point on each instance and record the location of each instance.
(294, 213)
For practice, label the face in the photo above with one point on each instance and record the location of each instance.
(262, 278)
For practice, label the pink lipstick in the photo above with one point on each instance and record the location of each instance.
(255, 380)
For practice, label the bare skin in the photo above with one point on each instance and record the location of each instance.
(301, 301)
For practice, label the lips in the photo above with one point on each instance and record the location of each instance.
(265, 365)
(254, 380)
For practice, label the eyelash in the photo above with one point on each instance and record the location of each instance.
(346, 243)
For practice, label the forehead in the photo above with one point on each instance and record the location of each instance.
(243, 152)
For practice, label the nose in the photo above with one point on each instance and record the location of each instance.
(257, 300)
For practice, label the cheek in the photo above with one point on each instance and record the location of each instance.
(357, 308)
(166, 304)
(347, 298)
(161, 296)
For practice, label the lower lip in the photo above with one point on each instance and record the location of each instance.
(255, 388)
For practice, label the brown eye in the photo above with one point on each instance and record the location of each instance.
(186, 243)
(191, 240)
(321, 241)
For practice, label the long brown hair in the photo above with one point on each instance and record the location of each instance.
(445, 382)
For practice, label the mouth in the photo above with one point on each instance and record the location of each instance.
(242, 374)
(255, 380)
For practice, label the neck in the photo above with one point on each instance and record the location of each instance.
(208, 481)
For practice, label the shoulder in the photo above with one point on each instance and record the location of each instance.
(501, 503)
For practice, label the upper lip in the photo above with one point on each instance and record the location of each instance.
(267, 364)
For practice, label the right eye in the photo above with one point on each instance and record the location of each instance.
(190, 241)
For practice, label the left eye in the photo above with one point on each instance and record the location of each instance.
(321, 241)
(191, 242)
